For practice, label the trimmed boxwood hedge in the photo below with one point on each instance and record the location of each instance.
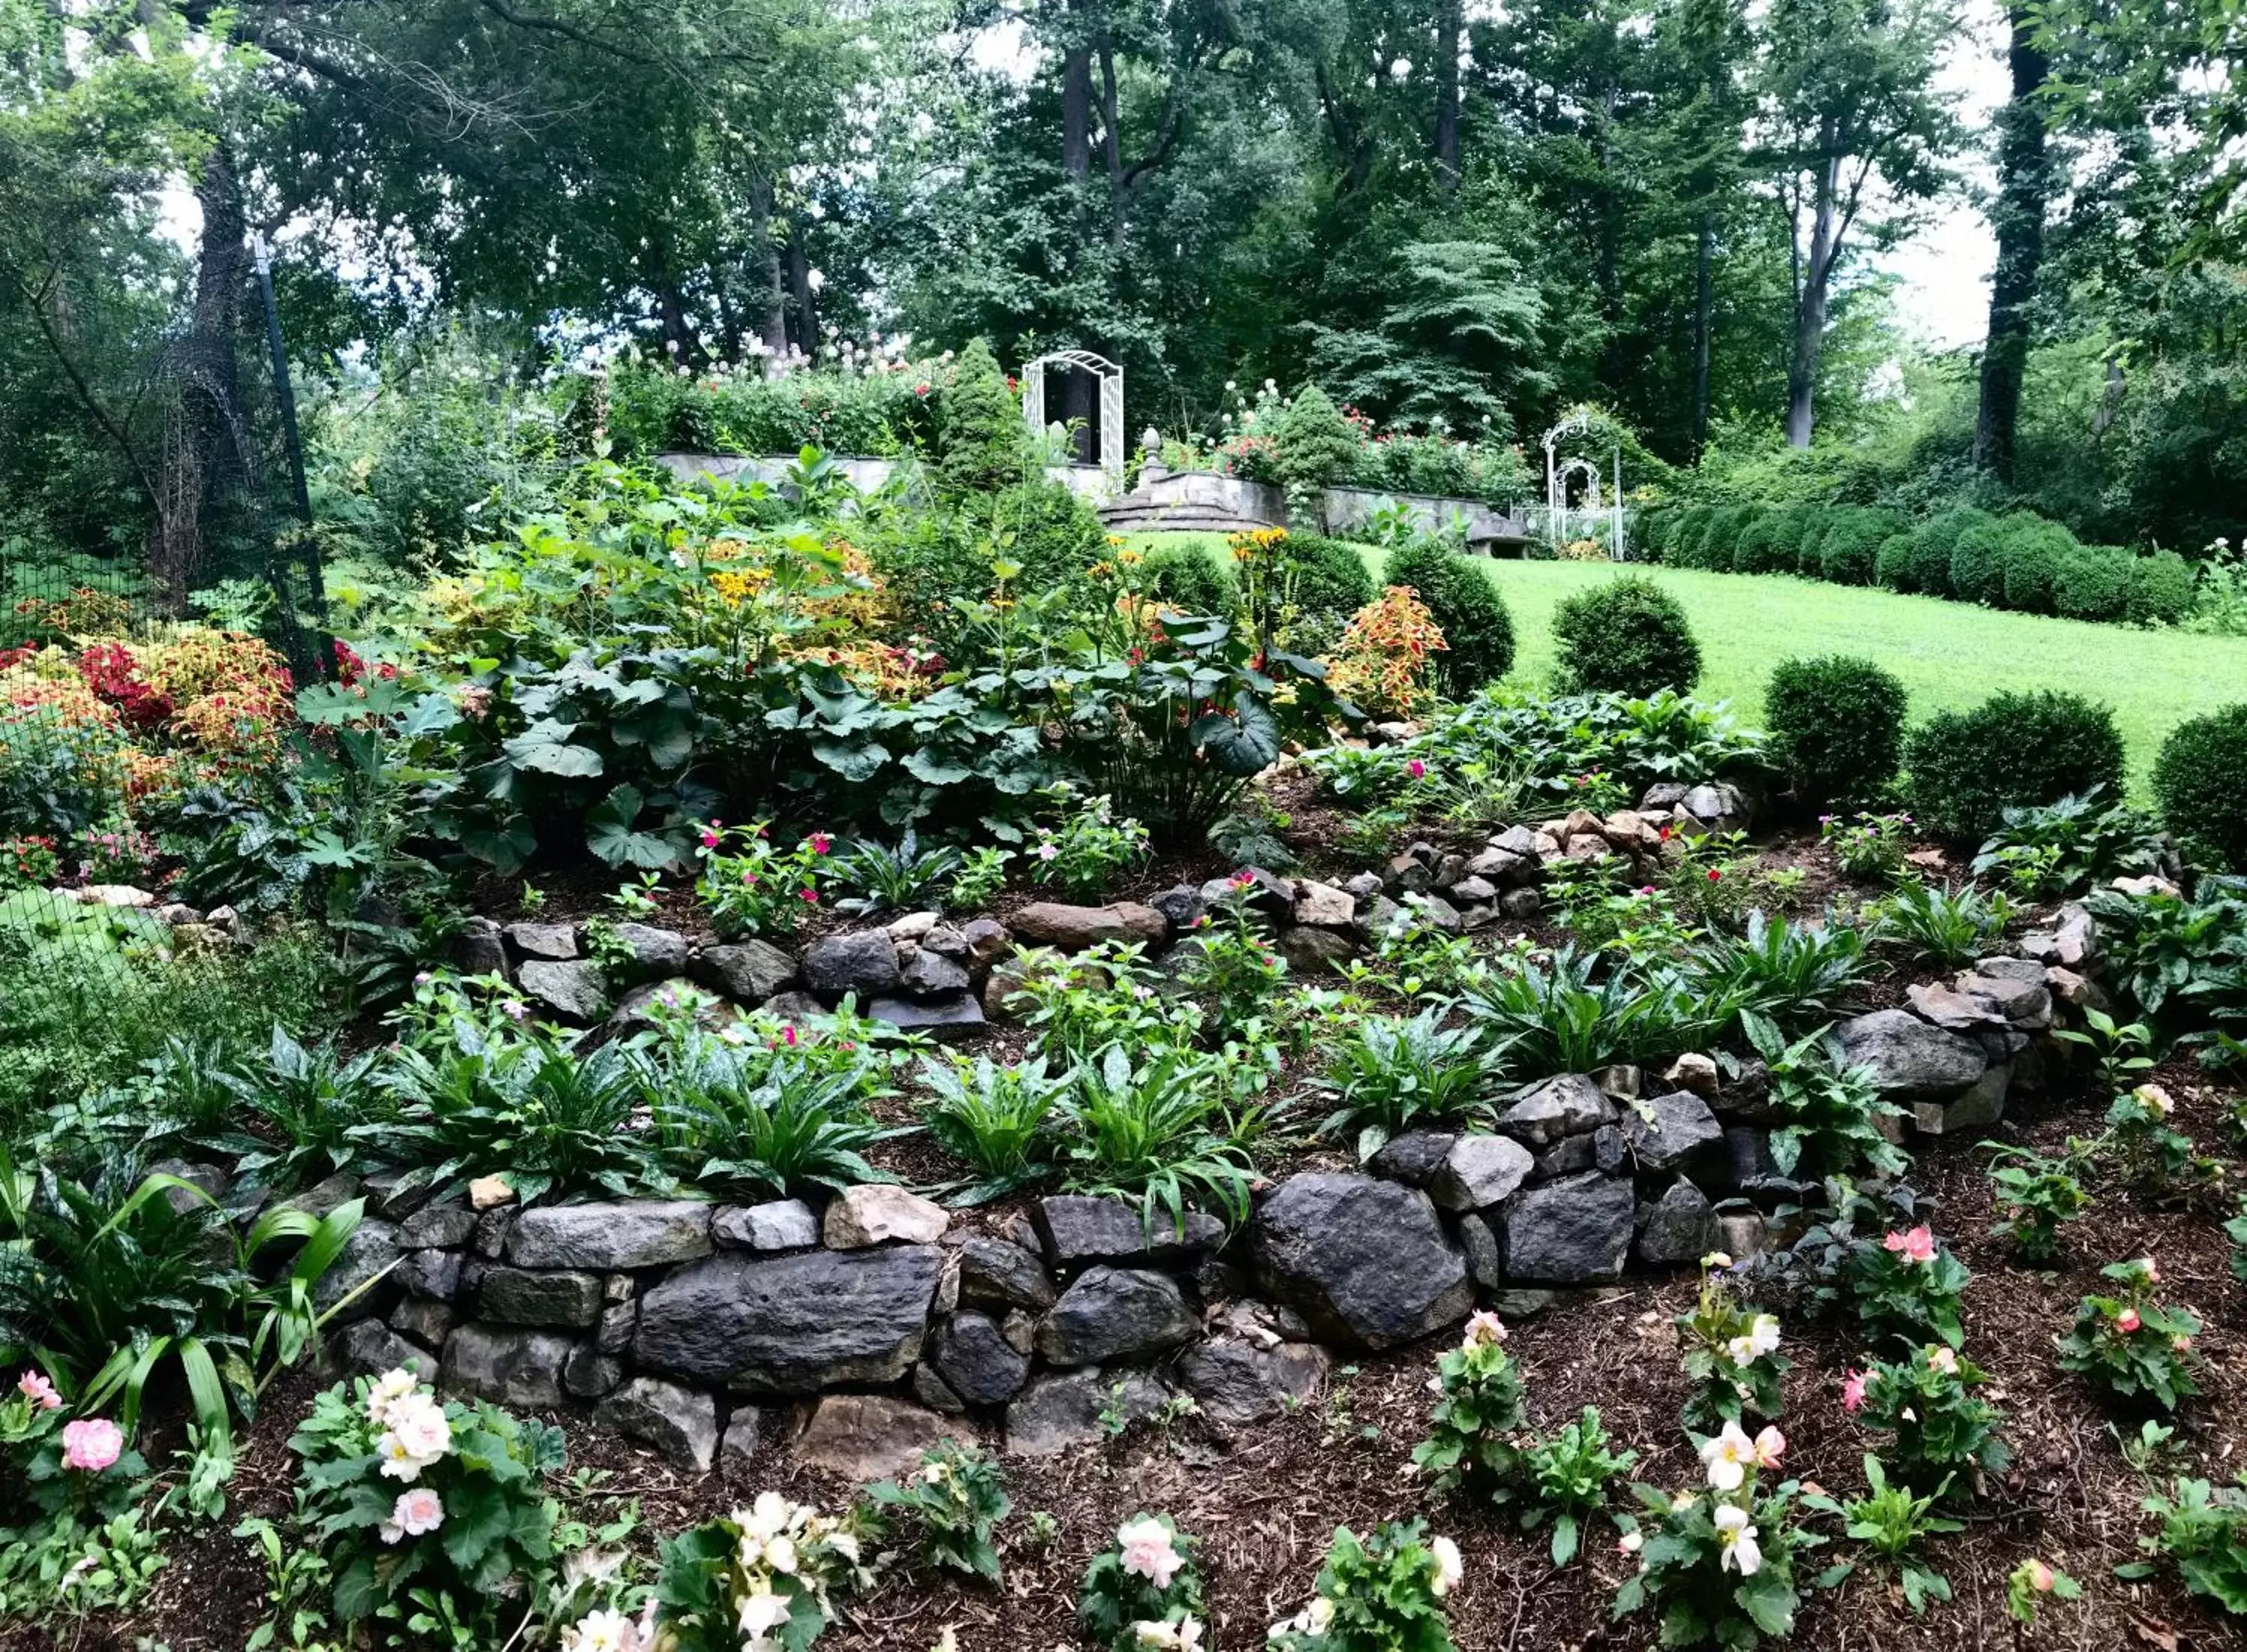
(1478, 629)
(1892, 564)
(2091, 582)
(1854, 536)
(2162, 590)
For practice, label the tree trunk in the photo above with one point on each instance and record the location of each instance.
(2024, 184)
(1704, 308)
(1810, 313)
(773, 295)
(807, 301)
(198, 445)
(1076, 105)
(1448, 14)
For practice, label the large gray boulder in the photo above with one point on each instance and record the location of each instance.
(1678, 1229)
(612, 1236)
(1236, 1381)
(993, 1272)
(976, 1362)
(576, 991)
(1115, 1314)
(1680, 1132)
(1065, 1409)
(1908, 1058)
(1570, 1104)
(655, 952)
(679, 1424)
(1366, 1260)
(863, 961)
(518, 1368)
(1077, 1230)
(748, 972)
(791, 1324)
(1479, 1172)
(363, 1266)
(1072, 929)
(1573, 1231)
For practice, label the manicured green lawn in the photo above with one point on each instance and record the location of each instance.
(1948, 655)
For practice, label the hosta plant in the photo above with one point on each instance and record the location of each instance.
(1566, 1480)
(434, 1517)
(1717, 1564)
(1382, 1592)
(1390, 1074)
(1951, 926)
(1730, 1352)
(1470, 1445)
(2128, 1344)
(2204, 1535)
(1144, 1590)
(1892, 1523)
(1941, 1430)
(763, 1576)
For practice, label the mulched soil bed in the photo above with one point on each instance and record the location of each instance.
(1266, 1502)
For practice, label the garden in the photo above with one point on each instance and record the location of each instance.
(757, 1065)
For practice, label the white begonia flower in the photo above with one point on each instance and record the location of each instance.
(1942, 1360)
(1741, 1552)
(1726, 1456)
(1149, 1550)
(762, 1612)
(418, 1437)
(780, 1555)
(601, 1631)
(1450, 1568)
(387, 1391)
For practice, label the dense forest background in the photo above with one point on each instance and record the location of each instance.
(1465, 218)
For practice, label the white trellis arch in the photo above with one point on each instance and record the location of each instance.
(1558, 517)
(1111, 400)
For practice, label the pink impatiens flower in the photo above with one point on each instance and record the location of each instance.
(1917, 1245)
(820, 843)
(34, 1387)
(92, 1444)
(1852, 1392)
(1417, 769)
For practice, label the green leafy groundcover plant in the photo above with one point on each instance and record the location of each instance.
(1382, 1592)
(1628, 637)
(2204, 1534)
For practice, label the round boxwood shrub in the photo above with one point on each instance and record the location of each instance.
(1933, 543)
(2200, 780)
(2091, 582)
(1846, 555)
(1837, 726)
(1478, 631)
(2034, 550)
(2162, 590)
(1892, 564)
(1966, 768)
(1324, 579)
(1187, 579)
(1628, 637)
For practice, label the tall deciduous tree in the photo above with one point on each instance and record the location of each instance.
(1858, 136)
(2017, 215)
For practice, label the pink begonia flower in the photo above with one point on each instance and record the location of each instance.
(1148, 1552)
(1770, 1446)
(820, 841)
(1485, 1328)
(34, 1387)
(1852, 1392)
(417, 1510)
(92, 1443)
(2127, 1320)
(1917, 1245)
(2040, 1577)
(2182, 1344)
(2152, 1273)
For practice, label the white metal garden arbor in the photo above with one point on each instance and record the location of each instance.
(1560, 515)
(1111, 400)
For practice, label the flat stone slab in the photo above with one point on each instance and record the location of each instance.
(611, 1237)
(791, 1324)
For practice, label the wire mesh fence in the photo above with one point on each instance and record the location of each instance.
(129, 665)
